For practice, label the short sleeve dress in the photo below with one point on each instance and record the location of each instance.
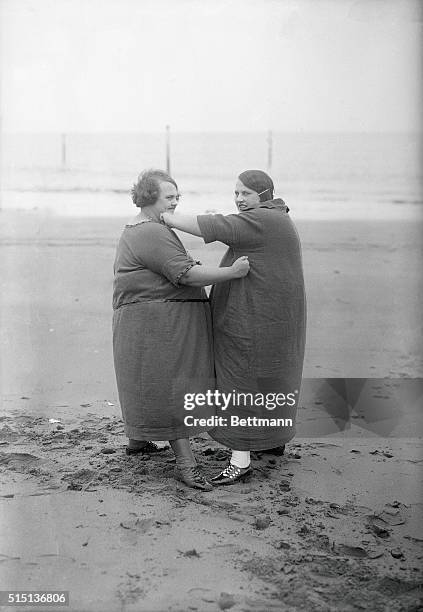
(259, 324)
(162, 340)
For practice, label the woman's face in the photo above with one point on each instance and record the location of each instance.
(168, 198)
(245, 197)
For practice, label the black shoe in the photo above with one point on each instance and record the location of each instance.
(193, 477)
(278, 451)
(148, 449)
(232, 474)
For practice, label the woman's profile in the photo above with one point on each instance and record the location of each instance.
(258, 321)
(162, 340)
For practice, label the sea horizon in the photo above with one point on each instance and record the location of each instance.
(319, 175)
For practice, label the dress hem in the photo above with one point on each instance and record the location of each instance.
(159, 434)
(250, 445)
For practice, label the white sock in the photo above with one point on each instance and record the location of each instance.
(240, 459)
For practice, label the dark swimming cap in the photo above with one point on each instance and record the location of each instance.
(258, 181)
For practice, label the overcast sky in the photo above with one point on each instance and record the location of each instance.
(215, 65)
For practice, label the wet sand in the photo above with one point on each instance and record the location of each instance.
(335, 524)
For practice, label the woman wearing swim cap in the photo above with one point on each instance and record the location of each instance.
(258, 322)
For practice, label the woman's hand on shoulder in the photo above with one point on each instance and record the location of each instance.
(241, 267)
(166, 218)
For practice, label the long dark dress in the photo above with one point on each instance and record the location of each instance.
(162, 341)
(259, 322)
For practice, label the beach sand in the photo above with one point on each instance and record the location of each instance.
(334, 524)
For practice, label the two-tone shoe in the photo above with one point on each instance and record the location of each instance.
(232, 474)
(193, 477)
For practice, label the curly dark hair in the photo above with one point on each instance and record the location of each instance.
(146, 191)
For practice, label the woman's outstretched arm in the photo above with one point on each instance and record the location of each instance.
(201, 276)
(186, 223)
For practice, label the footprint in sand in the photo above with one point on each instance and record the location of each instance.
(79, 479)
(139, 525)
(133, 528)
(7, 434)
(19, 462)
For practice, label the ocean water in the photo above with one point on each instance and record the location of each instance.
(320, 176)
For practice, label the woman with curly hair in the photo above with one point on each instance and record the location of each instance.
(162, 340)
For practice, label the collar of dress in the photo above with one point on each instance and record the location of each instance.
(277, 204)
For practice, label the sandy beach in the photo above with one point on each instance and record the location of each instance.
(334, 524)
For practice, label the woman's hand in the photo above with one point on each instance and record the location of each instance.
(241, 267)
(201, 276)
(166, 218)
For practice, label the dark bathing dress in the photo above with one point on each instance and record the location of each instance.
(259, 321)
(162, 340)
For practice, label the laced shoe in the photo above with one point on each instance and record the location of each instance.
(193, 477)
(232, 474)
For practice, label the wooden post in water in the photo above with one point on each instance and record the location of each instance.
(63, 151)
(269, 150)
(1, 164)
(168, 149)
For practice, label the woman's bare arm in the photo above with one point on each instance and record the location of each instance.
(186, 223)
(201, 276)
